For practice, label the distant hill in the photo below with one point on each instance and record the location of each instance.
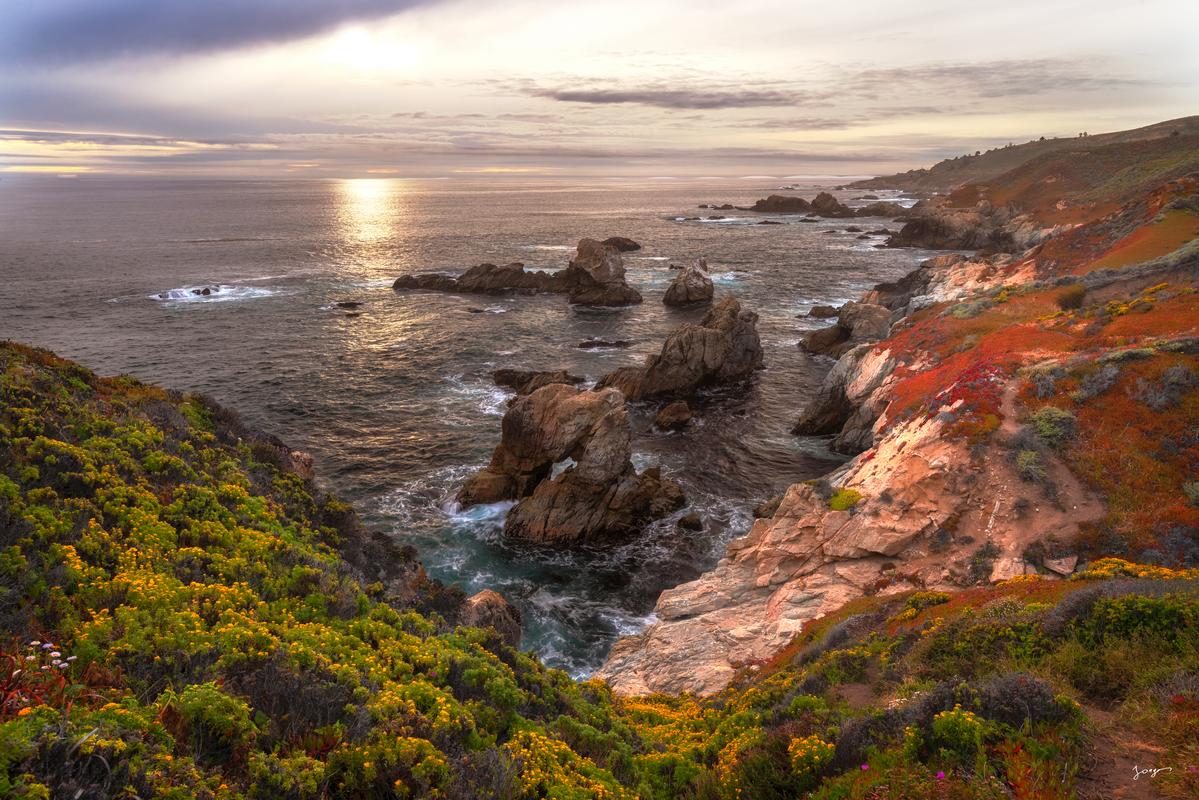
(955, 172)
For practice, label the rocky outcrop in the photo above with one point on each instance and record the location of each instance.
(673, 416)
(782, 204)
(621, 244)
(564, 456)
(812, 556)
(938, 226)
(527, 381)
(594, 277)
(490, 609)
(856, 323)
(824, 205)
(722, 348)
(691, 285)
(850, 400)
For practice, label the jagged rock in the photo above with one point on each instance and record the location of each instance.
(691, 284)
(596, 276)
(490, 609)
(673, 416)
(622, 244)
(527, 381)
(849, 400)
(584, 437)
(692, 522)
(826, 205)
(856, 323)
(723, 347)
(822, 312)
(782, 204)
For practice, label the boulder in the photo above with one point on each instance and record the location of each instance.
(691, 285)
(596, 276)
(527, 381)
(724, 347)
(490, 609)
(565, 457)
(822, 312)
(673, 416)
(621, 244)
(691, 522)
(782, 204)
(826, 205)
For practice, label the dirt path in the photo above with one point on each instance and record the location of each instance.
(1114, 756)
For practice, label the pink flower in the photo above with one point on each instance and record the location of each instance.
(941, 775)
(865, 766)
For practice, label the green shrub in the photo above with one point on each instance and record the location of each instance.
(1054, 426)
(1030, 467)
(1191, 491)
(845, 499)
(958, 733)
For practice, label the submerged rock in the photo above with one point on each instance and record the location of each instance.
(592, 344)
(722, 348)
(565, 457)
(490, 609)
(691, 285)
(673, 416)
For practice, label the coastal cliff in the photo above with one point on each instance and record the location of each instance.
(984, 427)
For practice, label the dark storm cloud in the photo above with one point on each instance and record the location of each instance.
(47, 32)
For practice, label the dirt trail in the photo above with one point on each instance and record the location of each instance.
(1114, 756)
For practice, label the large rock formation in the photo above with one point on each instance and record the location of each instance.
(723, 347)
(812, 556)
(856, 323)
(939, 226)
(691, 284)
(782, 204)
(565, 458)
(594, 277)
(824, 205)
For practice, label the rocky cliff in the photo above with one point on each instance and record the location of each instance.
(998, 429)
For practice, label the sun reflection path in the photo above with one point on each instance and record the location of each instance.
(371, 209)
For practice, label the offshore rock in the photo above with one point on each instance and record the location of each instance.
(622, 244)
(527, 381)
(490, 609)
(596, 276)
(782, 204)
(722, 348)
(691, 284)
(564, 456)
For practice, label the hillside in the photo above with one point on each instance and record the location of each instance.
(952, 173)
(180, 621)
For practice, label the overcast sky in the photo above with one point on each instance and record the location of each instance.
(350, 88)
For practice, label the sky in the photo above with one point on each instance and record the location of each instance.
(606, 89)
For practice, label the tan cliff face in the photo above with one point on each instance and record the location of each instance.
(928, 505)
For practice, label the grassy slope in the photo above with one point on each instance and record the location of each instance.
(952, 173)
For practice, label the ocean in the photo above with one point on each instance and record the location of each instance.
(394, 398)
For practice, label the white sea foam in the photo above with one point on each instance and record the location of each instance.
(216, 293)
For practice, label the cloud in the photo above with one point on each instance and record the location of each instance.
(54, 32)
(678, 98)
